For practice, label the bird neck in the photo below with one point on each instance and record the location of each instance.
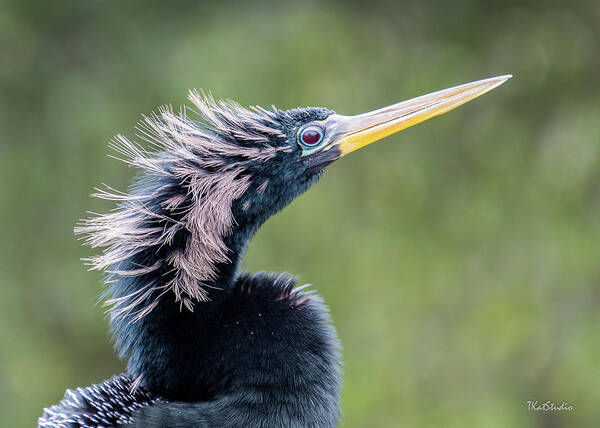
(236, 241)
(151, 323)
(171, 339)
(174, 258)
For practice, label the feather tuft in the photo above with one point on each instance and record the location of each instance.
(168, 231)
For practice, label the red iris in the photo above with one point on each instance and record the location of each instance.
(311, 136)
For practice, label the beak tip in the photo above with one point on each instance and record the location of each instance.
(494, 82)
(501, 79)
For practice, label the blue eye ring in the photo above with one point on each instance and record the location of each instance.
(311, 136)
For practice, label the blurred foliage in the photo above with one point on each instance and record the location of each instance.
(459, 258)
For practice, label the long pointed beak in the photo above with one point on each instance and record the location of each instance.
(353, 132)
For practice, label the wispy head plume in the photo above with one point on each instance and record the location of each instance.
(167, 233)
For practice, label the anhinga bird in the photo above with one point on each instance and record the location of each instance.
(208, 345)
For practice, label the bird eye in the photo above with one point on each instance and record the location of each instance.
(311, 136)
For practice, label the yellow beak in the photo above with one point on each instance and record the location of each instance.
(353, 132)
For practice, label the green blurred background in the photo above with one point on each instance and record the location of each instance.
(459, 258)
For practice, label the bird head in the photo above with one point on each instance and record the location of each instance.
(300, 143)
(217, 171)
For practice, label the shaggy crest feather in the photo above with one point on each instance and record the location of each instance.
(186, 189)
